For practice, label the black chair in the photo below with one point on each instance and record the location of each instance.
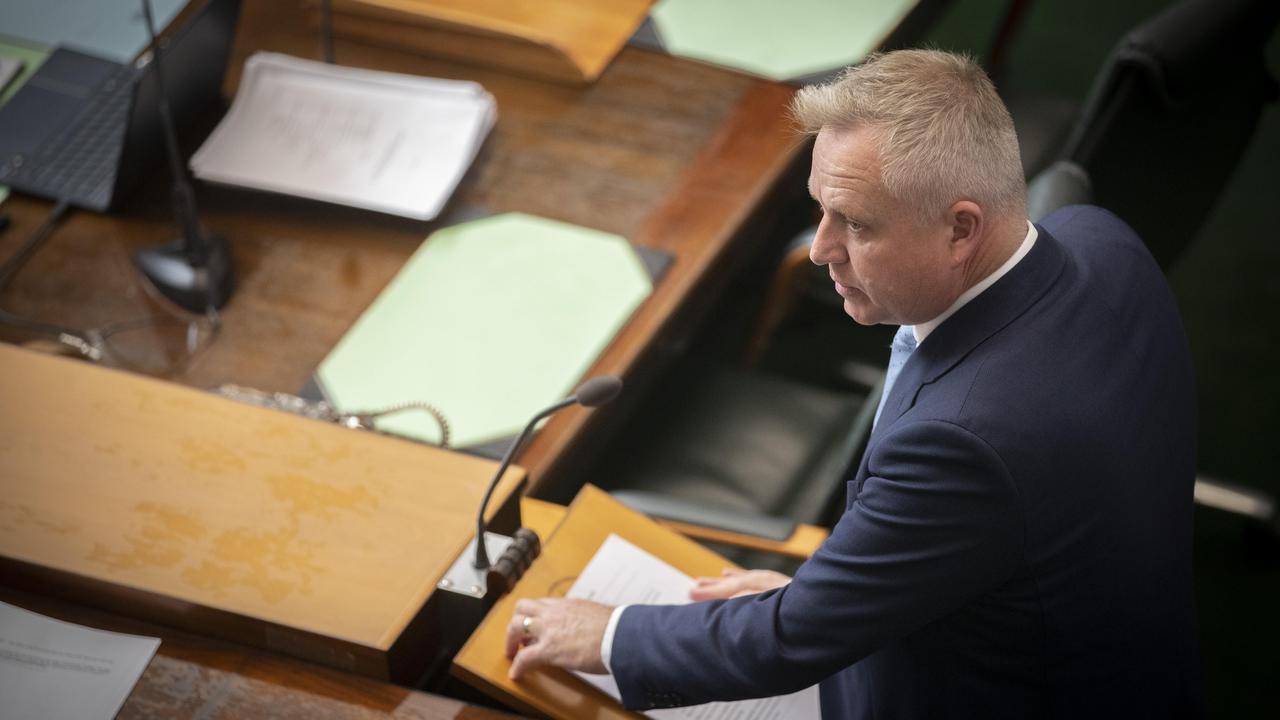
(1171, 113)
(1065, 183)
(744, 456)
(1059, 185)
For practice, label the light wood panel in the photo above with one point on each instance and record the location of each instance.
(563, 40)
(540, 516)
(296, 534)
(591, 518)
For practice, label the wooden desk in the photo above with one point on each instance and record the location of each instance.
(147, 498)
(195, 677)
(667, 153)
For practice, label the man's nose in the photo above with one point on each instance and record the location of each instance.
(825, 248)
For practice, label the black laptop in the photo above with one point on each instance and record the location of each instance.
(83, 129)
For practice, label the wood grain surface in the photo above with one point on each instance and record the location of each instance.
(240, 522)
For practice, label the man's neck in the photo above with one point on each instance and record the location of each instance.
(978, 286)
(989, 256)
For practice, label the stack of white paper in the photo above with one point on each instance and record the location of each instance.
(382, 141)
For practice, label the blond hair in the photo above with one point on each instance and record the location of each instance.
(944, 133)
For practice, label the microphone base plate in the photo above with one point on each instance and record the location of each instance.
(463, 577)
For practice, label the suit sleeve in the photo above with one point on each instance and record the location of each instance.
(935, 525)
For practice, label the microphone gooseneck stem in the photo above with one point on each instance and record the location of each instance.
(184, 200)
(326, 30)
(482, 555)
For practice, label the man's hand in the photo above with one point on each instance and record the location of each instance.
(558, 632)
(736, 583)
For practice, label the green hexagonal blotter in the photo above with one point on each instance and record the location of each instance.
(775, 39)
(490, 321)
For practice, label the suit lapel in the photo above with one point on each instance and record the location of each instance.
(972, 324)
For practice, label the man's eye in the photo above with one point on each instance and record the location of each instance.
(854, 225)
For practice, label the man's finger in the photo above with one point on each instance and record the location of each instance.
(528, 607)
(515, 635)
(715, 590)
(737, 583)
(529, 658)
(726, 572)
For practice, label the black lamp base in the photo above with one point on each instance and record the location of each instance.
(191, 286)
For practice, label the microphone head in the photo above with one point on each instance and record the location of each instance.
(598, 390)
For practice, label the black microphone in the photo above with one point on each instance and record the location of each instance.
(593, 393)
(193, 271)
(326, 30)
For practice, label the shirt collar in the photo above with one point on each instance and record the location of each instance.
(922, 330)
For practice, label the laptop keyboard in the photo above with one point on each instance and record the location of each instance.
(79, 163)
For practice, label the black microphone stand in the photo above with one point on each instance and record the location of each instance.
(481, 561)
(472, 584)
(193, 270)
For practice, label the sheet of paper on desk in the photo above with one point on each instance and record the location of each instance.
(382, 141)
(622, 574)
(55, 669)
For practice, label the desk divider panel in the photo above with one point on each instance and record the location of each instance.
(256, 526)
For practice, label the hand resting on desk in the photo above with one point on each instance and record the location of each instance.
(559, 632)
(566, 633)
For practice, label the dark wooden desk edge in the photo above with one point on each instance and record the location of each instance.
(193, 676)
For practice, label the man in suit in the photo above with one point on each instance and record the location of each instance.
(1016, 542)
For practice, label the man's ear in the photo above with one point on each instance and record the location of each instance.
(968, 224)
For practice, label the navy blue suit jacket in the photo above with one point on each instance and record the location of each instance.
(1017, 539)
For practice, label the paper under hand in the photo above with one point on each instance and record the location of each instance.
(622, 574)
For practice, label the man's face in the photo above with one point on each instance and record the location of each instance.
(888, 266)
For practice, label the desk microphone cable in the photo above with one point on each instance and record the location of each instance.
(76, 340)
(33, 242)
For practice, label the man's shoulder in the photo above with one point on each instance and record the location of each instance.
(1093, 229)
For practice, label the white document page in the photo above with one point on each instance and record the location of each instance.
(55, 669)
(9, 69)
(382, 141)
(622, 574)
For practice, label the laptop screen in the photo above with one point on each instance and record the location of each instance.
(85, 128)
(194, 61)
